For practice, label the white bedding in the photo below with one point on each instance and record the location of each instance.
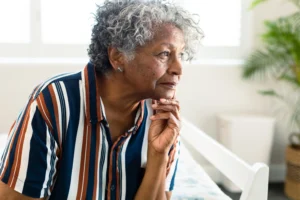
(192, 182)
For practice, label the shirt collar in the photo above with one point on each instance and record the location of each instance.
(94, 108)
(91, 92)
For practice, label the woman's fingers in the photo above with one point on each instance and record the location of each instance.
(166, 108)
(173, 122)
(173, 102)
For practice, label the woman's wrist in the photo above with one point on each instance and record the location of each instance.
(157, 157)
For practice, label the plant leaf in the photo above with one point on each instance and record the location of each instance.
(267, 63)
(255, 3)
(290, 79)
(296, 2)
(272, 93)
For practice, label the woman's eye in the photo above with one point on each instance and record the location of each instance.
(182, 56)
(164, 54)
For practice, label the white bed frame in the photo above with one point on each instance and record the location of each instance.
(252, 180)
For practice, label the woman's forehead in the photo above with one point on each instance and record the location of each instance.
(168, 35)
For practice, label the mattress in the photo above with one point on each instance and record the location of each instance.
(192, 182)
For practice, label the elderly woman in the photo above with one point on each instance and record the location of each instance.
(111, 130)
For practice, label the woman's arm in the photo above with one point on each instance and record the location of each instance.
(8, 193)
(163, 132)
(153, 184)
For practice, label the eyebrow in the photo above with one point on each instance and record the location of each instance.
(168, 44)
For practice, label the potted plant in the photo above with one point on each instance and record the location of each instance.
(279, 59)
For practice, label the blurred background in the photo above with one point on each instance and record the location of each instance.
(41, 38)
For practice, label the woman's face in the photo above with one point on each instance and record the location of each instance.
(156, 69)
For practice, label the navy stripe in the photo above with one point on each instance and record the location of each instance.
(50, 81)
(133, 160)
(16, 135)
(92, 160)
(63, 182)
(37, 157)
(12, 133)
(63, 110)
(120, 169)
(49, 105)
(173, 178)
(93, 92)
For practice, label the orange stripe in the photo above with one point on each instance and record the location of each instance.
(18, 152)
(8, 152)
(44, 111)
(56, 114)
(110, 169)
(84, 163)
(87, 93)
(117, 164)
(87, 162)
(16, 123)
(11, 128)
(98, 134)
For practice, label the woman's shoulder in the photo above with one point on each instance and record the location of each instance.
(57, 82)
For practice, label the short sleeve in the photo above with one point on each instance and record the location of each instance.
(172, 167)
(28, 163)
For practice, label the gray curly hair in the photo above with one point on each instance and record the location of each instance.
(127, 24)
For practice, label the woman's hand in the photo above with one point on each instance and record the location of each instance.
(165, 126)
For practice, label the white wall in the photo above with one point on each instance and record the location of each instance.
(205, 90)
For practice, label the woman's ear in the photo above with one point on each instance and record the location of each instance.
(116, 58)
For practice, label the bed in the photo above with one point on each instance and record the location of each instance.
(192, 182)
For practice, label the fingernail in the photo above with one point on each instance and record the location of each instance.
(163, 100)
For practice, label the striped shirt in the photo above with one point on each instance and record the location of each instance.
(60, 145)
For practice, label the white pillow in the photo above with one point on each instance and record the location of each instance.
(192, 182)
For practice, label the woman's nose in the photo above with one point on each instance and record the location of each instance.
(175, 67)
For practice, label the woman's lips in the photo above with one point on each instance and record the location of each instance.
(170, 85)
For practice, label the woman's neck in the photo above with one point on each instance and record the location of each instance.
(117, 96)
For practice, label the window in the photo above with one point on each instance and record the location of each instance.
(17, 28)
(62, 28)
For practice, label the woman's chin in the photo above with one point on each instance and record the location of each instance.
(165, 95)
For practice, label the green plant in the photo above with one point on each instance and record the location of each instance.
(279, 59)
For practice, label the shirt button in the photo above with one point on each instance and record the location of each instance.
(112, 188)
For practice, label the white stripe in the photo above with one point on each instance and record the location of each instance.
(104, 172)
(84, 92)
(173, 166)
(123, 178)
(55, 164)
(102, 108)
(98, 160)
(64, 90)
(145, 141)
(47, 82)
(49, 152)
(59, 113)
(10, 137)
(25, 151)
(77, 153)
